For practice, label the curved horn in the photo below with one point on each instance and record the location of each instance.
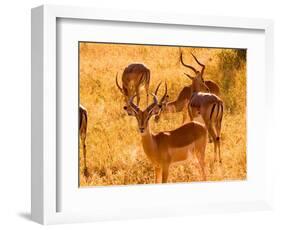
(191, 78)
(203, 66)
(116, 80)
(157, 88)
(155, 102)
(188, 66)
(165, 94)
(131, 103)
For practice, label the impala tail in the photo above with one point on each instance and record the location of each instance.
(216, 116)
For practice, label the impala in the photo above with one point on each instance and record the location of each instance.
(83, 122)
(181, 103)
(166, 148)
(211, 85)
(133, 78)
(208, 105)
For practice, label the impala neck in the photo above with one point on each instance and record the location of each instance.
(146, 135)
(148, 142)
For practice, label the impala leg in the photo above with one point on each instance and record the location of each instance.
(218, 143)
(218, 130)
(83, 132)
(200, 154)
(219, 147)
(158, 175)
(83, 139)
(165, 173)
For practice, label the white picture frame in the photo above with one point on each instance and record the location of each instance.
(45, 168)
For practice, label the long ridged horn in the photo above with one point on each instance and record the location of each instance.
(165, 94)
(155, 102)
(188, 66)
(156, 91)
(203, 66)
(116, 80)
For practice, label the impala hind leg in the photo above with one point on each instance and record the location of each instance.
(210, 139)
(219, 148)
(83, 132)
(218, 139)
(83, 140)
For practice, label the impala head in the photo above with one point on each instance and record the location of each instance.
(129, 90)
(143, 116)
(198, 84)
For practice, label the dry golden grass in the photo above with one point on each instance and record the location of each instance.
(114, 151)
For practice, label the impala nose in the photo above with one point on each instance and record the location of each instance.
(141, 130)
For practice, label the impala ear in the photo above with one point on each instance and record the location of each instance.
(129, 110)
(156, 110)
(166, 98)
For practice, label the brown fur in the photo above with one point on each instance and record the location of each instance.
(165, 148)
(181, 103)
(206, 104)
(133, 77)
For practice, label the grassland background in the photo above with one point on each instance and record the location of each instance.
(114, 151)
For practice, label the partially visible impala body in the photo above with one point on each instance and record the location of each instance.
(134, 77)
(209, 106)
(83, 122)
(181, 103)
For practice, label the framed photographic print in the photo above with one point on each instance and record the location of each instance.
(142, 115)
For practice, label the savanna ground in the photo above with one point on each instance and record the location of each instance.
(114, 151)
